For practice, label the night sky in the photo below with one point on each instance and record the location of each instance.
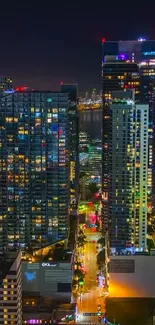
(42, 45)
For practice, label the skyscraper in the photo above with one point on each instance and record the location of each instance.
(117, 74)
(71, 90)
(128, 154)
(134, 50)
(142, 52)
(147, 75)
(11, 289)
(34, 168)
(5, 83)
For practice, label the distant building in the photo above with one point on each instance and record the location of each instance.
(95, 158)
(5, 83)
(128, 158)
(34, 168)
(10, 289)
(134, 50)
(71, 90)
(84, 142)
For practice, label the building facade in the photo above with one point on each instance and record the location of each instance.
(94, 168)
(48, 279)
(147, 72)
(11, 289)
(134, 50)
(131, 277)
(34, 168)
(117, 74)
(5, 83)
(128, 172)
(142, 52)
(71, 90)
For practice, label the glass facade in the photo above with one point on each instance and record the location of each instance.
(147, 71)
(34, 168)
(142, 52)
(116, 75)
(71, 90)
(128, 173)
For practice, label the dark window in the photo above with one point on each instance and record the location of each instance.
(64, 287)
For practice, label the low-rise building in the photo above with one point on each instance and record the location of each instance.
(10, 289)
(48, 279)
(131, 289)
(132, 276)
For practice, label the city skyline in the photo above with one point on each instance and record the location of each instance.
(63, 44)
(77, 164)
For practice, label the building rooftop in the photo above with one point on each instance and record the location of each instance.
(6, 261)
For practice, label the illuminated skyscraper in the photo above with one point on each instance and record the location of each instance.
(34, 168)
(71, 90)
(142, 52)
(135, 50)
(147, 72)
(128, 158)
(117, 74)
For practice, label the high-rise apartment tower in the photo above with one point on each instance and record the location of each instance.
(117, 74)
(71, 90)
(128, 154)
(34, 168)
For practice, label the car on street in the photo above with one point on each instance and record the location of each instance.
(99, 307)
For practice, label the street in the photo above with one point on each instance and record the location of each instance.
(91, 296)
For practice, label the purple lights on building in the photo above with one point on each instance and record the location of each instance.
(123, 57)
(34, 321)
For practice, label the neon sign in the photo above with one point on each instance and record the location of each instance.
(149, 53)
(48, 264)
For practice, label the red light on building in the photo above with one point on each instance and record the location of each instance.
(103, 40)
(21, 88)
(61, 83)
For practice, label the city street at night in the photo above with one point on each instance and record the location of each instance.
(91, 299)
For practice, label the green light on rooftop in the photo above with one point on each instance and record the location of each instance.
(49, 100)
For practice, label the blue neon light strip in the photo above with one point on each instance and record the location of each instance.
(149, 53)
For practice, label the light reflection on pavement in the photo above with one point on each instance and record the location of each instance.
(91, 296)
